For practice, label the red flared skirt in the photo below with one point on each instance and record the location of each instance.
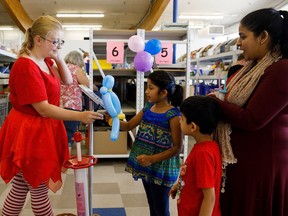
(35, 145)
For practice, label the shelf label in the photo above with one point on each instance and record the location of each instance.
(115, 52)
(165, 56)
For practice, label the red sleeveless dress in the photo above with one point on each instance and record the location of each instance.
(30, 143)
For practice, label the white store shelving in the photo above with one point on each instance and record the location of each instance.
(98, 40)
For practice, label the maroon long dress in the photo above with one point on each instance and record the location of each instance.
(257, 185)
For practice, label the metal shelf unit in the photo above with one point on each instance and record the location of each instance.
(220, 76)
(7, 57)
(98, 40)
(231, 55)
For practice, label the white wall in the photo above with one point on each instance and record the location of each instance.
(75, 35)
(73, 40)
(11, 39)
(71, 45)
(198, 42)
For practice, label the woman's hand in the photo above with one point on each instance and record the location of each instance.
(89, 117)
(55, 55)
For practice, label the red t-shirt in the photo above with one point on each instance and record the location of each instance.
(203, 170)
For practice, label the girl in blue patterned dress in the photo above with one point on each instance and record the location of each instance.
(154, 157)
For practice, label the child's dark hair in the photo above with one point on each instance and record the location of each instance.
(204, 111)
(165, 81)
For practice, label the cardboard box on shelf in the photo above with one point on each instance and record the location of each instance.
(191, 90)
(104, 145)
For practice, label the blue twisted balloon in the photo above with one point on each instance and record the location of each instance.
(112, 105)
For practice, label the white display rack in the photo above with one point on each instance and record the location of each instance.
(232, 55)
(6, 57)
(98, 40)
(209, 77)
(4, 76)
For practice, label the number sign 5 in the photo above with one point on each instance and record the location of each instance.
(165, 56)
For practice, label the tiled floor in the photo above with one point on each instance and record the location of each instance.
(112, 188)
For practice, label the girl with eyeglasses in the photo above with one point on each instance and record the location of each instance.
(33, 140)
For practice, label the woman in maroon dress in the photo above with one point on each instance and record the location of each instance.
(33, 140)
(257, 120)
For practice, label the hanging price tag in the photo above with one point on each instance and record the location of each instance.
(115, 52)
(165, 56)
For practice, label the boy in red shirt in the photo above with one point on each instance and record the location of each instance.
(199, 181)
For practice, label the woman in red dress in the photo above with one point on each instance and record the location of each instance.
(256, 112)
(33, 140)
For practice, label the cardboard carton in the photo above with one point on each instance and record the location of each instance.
(104, 145)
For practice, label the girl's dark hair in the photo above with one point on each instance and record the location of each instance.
(165, 81)
(274, 22)
(204, 111)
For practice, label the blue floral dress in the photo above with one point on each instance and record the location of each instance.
(154, 136)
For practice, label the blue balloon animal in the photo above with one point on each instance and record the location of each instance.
(112, 105)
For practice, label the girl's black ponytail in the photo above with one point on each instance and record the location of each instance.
(177, 97)
(284, 37)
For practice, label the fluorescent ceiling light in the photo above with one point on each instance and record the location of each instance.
(82, 26)
(90, 15)
(6, 28)
(81, 29)
(200, 17)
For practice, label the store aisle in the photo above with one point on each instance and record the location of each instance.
(112, 188)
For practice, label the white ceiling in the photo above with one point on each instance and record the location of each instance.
(124, 14)
(232, 10)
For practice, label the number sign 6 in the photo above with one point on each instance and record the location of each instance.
(115, 52)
